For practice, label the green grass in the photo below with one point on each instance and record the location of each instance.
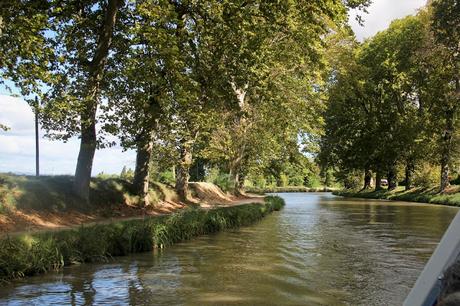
(421, 195)
(257, 190)
(31, 254)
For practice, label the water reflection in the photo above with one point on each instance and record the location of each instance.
(320, 250)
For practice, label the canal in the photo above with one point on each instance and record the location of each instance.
(319, 250)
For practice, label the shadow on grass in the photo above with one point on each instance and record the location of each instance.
(54, 193)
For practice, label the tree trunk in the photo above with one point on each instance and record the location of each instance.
(409, 180)
(237, 180)
(142, 171)
(392, 179)
(85, 160)
(234, 177)
(367, 179)
(447, 138)
(239, 138)
(182, 175)
(446, 149)
(88, 116)
(378, 180)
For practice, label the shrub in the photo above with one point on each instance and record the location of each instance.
(220, 179)
(426, 175)
(297, 180)
(352, 180)
(260, 181)
(312, 181)
(166, 177)
(284, 180)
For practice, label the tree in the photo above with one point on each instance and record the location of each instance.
(80, 34)
(446, 31)
(272, 59)
(25, 54)
(377, 115)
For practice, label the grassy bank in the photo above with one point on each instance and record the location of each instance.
(31, 254)
(421, 195)
(54, 193)
(287, 189)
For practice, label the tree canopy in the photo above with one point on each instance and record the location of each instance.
(259, 90)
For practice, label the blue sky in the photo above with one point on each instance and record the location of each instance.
(17, 148)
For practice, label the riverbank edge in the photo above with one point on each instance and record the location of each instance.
(36, 253)
(288, 190)
(426, 196)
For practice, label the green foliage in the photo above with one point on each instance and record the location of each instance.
(38, 253)
(127, 174)
(232, 81)
(259, 181)
(166, 177)
(284, 180)
(389, 105)
(219, 178)
(105, 176)
(351, 179)
(312, 181)
(426, 175)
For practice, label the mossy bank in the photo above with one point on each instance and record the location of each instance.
(420, 195)
(30, 254)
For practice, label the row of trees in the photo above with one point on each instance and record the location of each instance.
(394, 100)
(232, 82)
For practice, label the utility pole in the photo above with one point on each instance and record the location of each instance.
(37, 147)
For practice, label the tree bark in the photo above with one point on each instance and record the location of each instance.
(446, 149)
(378, 180)
(182, 175)
(392, 179)
(142, 172)
(85, 160)
(88, 116)
(409, 180)
(367, 179)
(448, 136)
(239, 139)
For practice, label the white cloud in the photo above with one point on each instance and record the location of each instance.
(17, 146)
(381, 13)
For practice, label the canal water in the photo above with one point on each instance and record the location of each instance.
(319, 250)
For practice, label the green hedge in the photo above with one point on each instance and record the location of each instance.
(31, 254)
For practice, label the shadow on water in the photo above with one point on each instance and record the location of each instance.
(320, 250)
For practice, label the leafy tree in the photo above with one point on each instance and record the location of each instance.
(25, 54)
(272, 58)
(446, 31)
(58, 50)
